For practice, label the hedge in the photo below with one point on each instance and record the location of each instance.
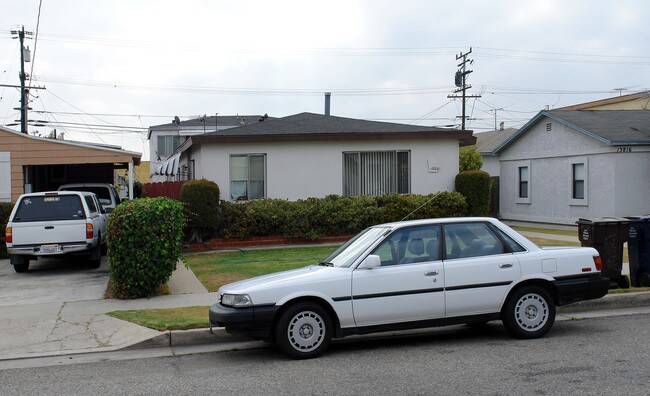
(334, 215)
(475, 187)
(145, 241)
(201, 200)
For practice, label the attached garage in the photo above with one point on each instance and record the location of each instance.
(32, 164)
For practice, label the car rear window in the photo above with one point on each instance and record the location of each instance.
(102, 193)
(49, 207)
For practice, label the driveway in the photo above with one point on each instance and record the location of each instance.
(52, 280)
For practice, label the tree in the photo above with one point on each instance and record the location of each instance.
(470, 159)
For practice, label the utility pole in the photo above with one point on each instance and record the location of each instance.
(460, 81)
(24, 92)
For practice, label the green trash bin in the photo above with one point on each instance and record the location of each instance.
(607, 235)
(639, 250)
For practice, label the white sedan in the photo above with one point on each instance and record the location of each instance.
(413, 274)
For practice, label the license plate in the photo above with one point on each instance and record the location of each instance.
(49, 249)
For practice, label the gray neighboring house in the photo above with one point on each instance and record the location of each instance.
(166, 138)
(569, 164)
(486, 145)
(313, 155)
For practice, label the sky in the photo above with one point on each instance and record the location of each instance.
(111, 69)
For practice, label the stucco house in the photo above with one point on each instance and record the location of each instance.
(312, 155)
(568, 164)
(166, 138)
(486, 145)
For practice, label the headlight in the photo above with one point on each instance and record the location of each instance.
(236, 300)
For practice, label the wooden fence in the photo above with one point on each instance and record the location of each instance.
(163, 189)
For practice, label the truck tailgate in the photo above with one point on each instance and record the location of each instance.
(46, 232)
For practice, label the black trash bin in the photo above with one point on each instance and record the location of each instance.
(639, 250)
(607, 235)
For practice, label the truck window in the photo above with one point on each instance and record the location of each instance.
(91, 204)
(45, 208)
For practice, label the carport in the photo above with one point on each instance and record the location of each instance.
(31, 164)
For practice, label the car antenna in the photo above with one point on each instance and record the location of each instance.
(418, 208)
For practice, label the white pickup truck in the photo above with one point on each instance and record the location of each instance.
(54, 224)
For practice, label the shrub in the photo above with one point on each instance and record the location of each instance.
(334, 215)
(145, 241)
(5, 211)
(475, 187)
(201, 200)
(469, 159)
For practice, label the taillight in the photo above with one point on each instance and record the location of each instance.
(599, 263)
(8, 235)
(89, 231)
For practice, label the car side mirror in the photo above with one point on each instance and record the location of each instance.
(372, 261)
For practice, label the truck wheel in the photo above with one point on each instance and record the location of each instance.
(304, 331)
(95, 257)
(529, 312)
(20, 263)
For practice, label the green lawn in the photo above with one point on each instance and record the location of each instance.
(166, 319)
(548, 231)
(217, 269)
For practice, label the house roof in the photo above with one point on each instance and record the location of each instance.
(221, 121)
(612, 127)
(608, 101)
(310, 126)
(487, 142)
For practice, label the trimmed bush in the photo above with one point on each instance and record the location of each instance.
(334, 215)
(5, 212)
(201, 200)
(145, 242)
(475, 187)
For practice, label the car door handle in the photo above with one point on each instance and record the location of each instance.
(49, 227)
(432, 273)
(505, 266)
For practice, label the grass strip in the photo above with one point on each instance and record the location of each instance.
(183, 318)
(553, 231)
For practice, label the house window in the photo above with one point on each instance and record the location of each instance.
(247, 177)
(578, 181)
(167, 145)
(523, 182)
(376, 173)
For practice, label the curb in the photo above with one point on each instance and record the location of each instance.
(177, 338)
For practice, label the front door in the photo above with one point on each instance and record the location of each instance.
(409, 285)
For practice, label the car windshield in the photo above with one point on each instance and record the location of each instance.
(352, 249)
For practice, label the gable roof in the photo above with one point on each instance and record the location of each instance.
(612, 127)
(487, 142)
(609, 101)
(310, 126)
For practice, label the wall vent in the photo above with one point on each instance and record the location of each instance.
(548, 127)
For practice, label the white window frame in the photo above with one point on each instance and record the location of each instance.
(248, 176)
(518, 166)
(394, 185)
(584, 201)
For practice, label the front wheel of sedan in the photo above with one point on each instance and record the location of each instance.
(304, 331)
(529, 312)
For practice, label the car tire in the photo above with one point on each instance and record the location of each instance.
(20, 263)
(529, 312)
(304, 331)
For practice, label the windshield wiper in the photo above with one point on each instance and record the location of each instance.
(326, 264)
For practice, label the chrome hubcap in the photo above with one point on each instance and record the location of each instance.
(531, 312)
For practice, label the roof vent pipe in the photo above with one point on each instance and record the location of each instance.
(328, 95)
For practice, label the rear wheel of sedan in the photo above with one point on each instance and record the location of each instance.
(303, 331)
(529, 312)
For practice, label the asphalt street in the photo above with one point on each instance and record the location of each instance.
(599, 356)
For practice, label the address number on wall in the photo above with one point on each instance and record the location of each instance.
(626, 149)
